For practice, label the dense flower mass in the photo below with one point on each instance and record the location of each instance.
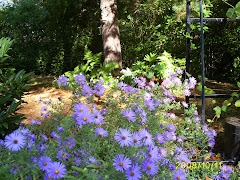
(129, 133)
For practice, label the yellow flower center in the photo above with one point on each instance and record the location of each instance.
(100, 133)
(135, 140)
(123, 137)
(150, 155)
(56, 172)
(178, 178)
(80, 110)
(166, 136)
(63, 81)
(15, 141)
(127, 116)
(49, 177)
(79, 80)
(149, 168)
(149, 105)
(158, 138)
(132, 173)
(225, 170)
(170, 128)
(98, 89)
(69, 143)
(121, 164)
(86, 92)
(84, 119)
(44, 164)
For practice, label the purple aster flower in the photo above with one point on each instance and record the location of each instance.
(136, 139)
(152, 84)
(166, 82)
(56, 170)
(146, 137)
(161, 126)
(121, 163)
(62, 155)
(134, 172)
(130, 115)
(182, 158)
(55, 135)
(99, 89)
(179, 175)
(172, 167)
(150, 167)
(15, 141)
(180, 139)
(148, 96)
(70, 142)
(122, 86)
(129, 90)
(98, 117)
(104, 111)
(185, 104)
(152, 154)
(150, 104)
(80, 79)
(226, 169)
(143, 116)
(177, 81)
(62, 81)
(179, 70)
(123, 137)
(60, 129)
(167, 136)
(44, 108)
(162, 152)
(160, 139)
(84, 118)
(171, 128)
(79, 108)
(86, 90)
(44, 162)
(101, 132)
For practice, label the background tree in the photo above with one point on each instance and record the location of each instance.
(110, 32)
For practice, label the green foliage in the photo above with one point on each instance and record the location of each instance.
(234, 13)
(158, 66)
(12, 88)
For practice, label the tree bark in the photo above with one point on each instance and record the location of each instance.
(110, 32)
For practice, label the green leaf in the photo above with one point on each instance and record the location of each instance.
(237, 103)
(224, 108)
(217, 110)
(210, 120)
(234, 94)
(5, 125)
(213, 101)
(230, 12)
(238, 84)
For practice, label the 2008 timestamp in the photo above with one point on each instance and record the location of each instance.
(198, 165)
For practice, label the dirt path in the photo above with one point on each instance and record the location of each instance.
(42, 88)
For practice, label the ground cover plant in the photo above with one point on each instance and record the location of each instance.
(132, 133)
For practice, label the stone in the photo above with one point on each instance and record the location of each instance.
(232, 137)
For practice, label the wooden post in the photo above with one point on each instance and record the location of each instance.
(232, 137)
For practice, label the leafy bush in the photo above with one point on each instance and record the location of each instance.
(12, 88)
(158, 66)
(131, 132)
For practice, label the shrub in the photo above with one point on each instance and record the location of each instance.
(12, 88)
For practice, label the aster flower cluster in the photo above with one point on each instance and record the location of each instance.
(140, 138)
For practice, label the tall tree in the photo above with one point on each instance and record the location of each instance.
(110, 32)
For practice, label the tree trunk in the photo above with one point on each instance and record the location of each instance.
(110, 32)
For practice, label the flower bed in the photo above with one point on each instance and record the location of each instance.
(133, 133)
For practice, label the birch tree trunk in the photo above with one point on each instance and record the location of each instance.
(110, 32)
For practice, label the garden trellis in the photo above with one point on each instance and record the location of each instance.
(188, 44)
